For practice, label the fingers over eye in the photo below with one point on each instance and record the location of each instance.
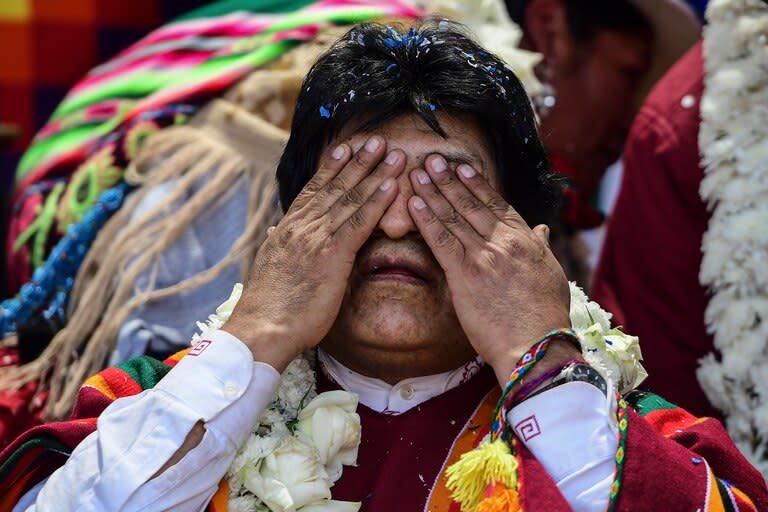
(461, 198)
(359, 165)
(442, 208)
(493, 200)
(356, 227)
(354, 198)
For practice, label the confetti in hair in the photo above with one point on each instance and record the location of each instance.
(412, 39)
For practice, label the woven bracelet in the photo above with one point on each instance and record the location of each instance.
(528, 360)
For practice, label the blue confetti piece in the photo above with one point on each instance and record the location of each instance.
(324, 112)
(391, 67)
(392, 43)
(432, 107)
(696, 460)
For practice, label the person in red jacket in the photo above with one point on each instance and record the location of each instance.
(599, 60)
(648, 273)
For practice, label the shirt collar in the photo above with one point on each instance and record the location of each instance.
(403, 396)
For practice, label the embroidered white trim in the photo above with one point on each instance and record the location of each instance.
(733, 141)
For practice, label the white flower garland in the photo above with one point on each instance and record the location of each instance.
(734, 145)
(302, 440)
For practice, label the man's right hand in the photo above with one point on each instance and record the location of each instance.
(300, 274)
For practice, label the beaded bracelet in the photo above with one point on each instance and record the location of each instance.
(528, 360)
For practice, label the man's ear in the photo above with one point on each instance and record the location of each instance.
(546, 29)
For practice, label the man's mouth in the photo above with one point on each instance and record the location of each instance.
(380, 268)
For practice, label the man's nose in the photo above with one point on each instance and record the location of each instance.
(396, 222)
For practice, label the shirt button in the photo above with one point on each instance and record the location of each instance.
(172, 475)
(407, 392)
(230, 389)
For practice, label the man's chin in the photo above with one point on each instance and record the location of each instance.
(392, 317)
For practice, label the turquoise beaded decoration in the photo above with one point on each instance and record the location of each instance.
(51, 283)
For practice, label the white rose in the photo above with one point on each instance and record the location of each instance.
(288, 478)
(333, 426)
(254, 449)
(625, 351)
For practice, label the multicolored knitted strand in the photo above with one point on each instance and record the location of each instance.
(48, 290)
(53, 281)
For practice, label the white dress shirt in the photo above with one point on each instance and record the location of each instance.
(219, 384)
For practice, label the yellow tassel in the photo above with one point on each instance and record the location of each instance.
(500, 499)
(487, 464)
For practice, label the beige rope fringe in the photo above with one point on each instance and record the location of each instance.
(105, 293)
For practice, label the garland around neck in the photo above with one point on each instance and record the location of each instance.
(302, 441)
(733, 142)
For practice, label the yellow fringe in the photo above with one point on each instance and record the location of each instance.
(487, 464)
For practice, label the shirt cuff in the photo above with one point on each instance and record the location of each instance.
(571, 430)
(218, 372)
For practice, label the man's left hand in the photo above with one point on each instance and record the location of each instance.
(508, 289)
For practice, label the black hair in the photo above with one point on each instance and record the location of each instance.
(588, 17)
(375, 73)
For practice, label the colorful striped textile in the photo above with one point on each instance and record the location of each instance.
(51, 45)
(181, 60)
(184, 62)
(39, 451)
(678, 424)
